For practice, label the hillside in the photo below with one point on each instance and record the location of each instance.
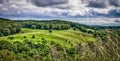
(58, 36)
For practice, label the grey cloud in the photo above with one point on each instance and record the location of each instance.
(4, 1)
(114, 2)
(1, 1)
(62, 6)
(114, 13)
(97, 4)
(102, 3)
(118, 21)
(43, 3)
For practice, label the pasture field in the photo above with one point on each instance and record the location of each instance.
(62, 37)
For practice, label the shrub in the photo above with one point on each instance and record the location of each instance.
(33, 36)
(1, 34)
(10, 38)
(50, 31)
(24, 37)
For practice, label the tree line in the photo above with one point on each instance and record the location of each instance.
(8, 27)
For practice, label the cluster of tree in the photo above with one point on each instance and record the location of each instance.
(54, 24)
(57, 25)
(8, 27)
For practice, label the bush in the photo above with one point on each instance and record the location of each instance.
(33, 36)
(10, 38)
(1, 34)
(6, 45)
(74, 29)
(44, 41)
(24, 37)
(50, 31)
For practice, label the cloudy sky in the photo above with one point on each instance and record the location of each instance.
(60, 9)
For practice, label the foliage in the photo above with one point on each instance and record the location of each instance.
(50, 31)
(8, 27)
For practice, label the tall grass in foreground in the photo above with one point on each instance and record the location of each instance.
(102, 50)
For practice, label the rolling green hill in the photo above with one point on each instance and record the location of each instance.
(58, 36)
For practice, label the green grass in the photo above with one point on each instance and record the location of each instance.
(63, 37)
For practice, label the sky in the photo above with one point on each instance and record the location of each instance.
(74, 10)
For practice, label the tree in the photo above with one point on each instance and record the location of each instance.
(33, 36)
(6, 32)
(10, 38)
(74, 29)
(50, 31)
(6, 45)
(13, 30)
(24, 37)
(44, 41)
(18, 29)
(83, 28)
(33, 26)
(1, 34)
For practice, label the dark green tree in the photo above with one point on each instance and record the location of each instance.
(33, 36)
(50, 31)
(33, 26)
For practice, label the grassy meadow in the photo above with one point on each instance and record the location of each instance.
(63, 37)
